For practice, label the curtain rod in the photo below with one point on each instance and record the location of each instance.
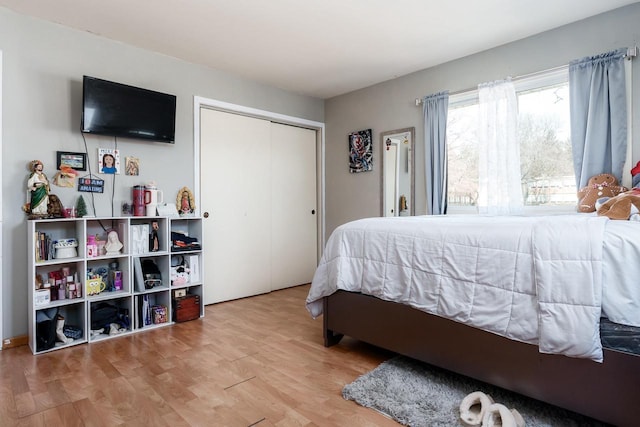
(516, 78)
(632, 52)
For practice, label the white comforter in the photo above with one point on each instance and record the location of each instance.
(531, 279)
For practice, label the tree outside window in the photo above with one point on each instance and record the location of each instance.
(548, 181)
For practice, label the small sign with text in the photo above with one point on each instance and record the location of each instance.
(91, 185)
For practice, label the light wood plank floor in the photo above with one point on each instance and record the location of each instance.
(253, 362)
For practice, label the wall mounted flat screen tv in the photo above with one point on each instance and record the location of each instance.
(115, 109)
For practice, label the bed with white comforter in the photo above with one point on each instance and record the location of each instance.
(540, 280)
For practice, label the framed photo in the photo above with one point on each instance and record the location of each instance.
(77, 161)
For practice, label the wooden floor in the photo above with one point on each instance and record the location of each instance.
(253, 362)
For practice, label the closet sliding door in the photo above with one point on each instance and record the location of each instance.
(293, 207)
(235, 178)
(258, 182)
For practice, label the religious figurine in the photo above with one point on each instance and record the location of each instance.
(113, 244)
(185, 202)
(38, 185)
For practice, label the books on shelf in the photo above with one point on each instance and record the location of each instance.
(146, 311)
(43, 246)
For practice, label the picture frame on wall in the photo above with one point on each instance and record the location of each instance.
(108, 161)
(132, 166)
(76, 161)
(360, 151)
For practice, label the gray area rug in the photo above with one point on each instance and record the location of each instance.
(417, 394)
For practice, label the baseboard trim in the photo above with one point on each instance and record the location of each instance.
(15, 342)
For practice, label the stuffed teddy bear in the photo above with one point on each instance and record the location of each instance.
(624, 206)
(599, 186)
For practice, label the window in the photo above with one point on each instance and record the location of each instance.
(548, 180)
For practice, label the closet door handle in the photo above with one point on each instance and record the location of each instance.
(313, 211)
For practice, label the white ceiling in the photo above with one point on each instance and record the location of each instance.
(320, 48)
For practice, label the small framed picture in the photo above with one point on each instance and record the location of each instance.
(77, 161)
(108, 161)
(132, 166)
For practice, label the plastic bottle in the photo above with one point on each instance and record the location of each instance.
(53, 289)
(117, 280)
(78, 285)
(92, 247)
(113, 267)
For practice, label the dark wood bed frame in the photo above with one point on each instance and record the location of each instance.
(608, 391)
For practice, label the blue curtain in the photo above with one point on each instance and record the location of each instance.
(435, 108)
(597, 95)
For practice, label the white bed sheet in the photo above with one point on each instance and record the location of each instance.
(621, 272)
(536, 261)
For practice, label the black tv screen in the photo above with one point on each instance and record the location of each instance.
(116, 109)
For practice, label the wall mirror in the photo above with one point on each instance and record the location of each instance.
(398, 165)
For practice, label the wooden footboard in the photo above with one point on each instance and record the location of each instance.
(606, 391)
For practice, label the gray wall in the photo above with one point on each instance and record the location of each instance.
(43, 65)
(391, 105)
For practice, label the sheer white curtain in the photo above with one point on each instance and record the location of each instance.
(499, 190)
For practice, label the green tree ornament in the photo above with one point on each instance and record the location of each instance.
(81, 207)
